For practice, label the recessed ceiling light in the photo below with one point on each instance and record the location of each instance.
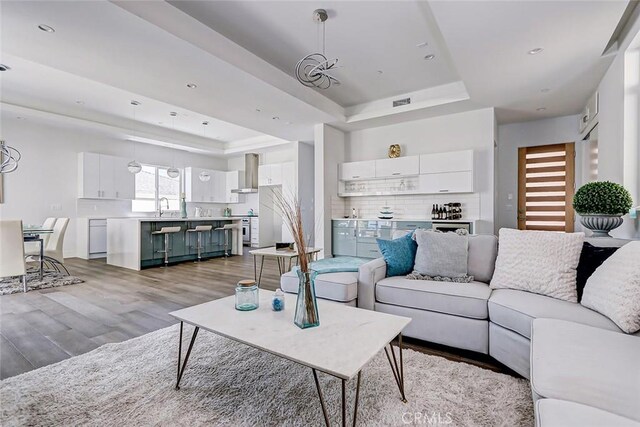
(80, 102)
(205, 123)
(423, 44)
(173, 114)
(275, 118)
(380, 71)
(192, 85)
(541, 109)
(545, 90)
(429, 57)
(4, 67)
(20, 118)
(46, 28)
(535, 51)
(258, 110)
(134, 102)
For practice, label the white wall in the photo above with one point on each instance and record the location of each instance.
(527, 134)
(46, 182)
(329, 150)
(619, 138)
(462, 131)
(306, 187)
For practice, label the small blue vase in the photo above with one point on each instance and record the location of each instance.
(306, 315)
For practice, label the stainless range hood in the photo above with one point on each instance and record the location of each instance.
(251, 162)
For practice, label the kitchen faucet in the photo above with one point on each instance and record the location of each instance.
(160, 205)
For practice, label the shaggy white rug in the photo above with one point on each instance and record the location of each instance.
(226, 383)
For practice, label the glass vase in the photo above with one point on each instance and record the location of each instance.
(306, 315)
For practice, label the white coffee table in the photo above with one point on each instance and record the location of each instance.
(346, 340)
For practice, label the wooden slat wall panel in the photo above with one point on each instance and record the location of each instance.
(545, 189)
(559, 208)
(546, 178)
(545, 198)
(546, 160)
(546, 169)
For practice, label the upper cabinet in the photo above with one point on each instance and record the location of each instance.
(275, 174)
(232, 182)
(401, 166)
(104, 177)
(356, 171)
(450, 172)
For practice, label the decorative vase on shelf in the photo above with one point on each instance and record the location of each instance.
(306, 315)
(183, 206)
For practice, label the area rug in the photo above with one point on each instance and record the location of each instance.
(226, 383)
(50, 279)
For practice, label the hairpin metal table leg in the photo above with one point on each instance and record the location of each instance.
(186, 357)
(398, 371)
(344, 400)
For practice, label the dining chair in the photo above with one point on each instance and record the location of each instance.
(53, 251)
(12, 251)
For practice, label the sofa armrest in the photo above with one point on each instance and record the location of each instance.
(368, 275)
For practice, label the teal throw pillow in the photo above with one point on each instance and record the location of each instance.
(399, 254)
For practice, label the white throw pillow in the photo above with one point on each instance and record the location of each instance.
(614, 288)
(542, 262)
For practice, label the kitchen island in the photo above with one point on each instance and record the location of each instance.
(132, 244)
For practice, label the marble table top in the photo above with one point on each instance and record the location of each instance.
(346, 340)
(284, 253)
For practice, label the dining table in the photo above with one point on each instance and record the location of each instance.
(33, 233)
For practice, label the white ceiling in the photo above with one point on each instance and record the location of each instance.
(241, 55)
(365, 36)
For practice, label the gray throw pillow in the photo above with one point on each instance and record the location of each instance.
(441, 254)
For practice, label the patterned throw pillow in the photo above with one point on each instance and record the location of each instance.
(399, 254)
(542, 262)
(614, 288)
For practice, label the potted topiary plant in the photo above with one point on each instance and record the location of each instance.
(601, 205)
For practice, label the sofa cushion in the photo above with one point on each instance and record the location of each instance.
(341, 287)
(560, 413)
(586, 365)
(460, 299)
(483, 249)
(542, 262)
(516, 310)
(614, 288)
(591, 258)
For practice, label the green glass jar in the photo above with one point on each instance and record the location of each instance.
(247, 297)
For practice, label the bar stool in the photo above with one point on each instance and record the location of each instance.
(199, 229)
(166, 231)
(225, 230)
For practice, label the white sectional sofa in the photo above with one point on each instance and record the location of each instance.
(470, 316)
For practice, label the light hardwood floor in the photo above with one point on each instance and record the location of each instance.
(115, 304)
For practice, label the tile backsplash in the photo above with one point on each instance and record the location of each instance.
(404, 206)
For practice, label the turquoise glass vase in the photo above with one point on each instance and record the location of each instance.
(306, 315)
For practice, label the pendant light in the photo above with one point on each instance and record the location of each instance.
(133, 166)
(173, 172)
(204, 175)
(9, 158)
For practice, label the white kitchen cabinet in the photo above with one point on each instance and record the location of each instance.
(125, 181)
(91, 238)
(195, 189)
(104, 177)
(446, 182)
(270, 174)
(452, 161)
(401, 166)
(354, 171)
(89, 176)
(232, 182)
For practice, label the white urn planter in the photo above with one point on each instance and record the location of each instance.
(601, 225)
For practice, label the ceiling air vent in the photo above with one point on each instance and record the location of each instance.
(399, 102)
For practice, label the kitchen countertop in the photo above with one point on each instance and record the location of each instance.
(405, 219)
(168, 219)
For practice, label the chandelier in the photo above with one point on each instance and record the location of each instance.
(9, 158)
(312, 70)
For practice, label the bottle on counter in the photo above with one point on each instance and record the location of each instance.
(433, 211)
(354, 214)
(183, 206)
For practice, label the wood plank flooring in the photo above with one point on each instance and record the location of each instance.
(115, 304)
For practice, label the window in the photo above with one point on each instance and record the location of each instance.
(545, 187)
(152, 184)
